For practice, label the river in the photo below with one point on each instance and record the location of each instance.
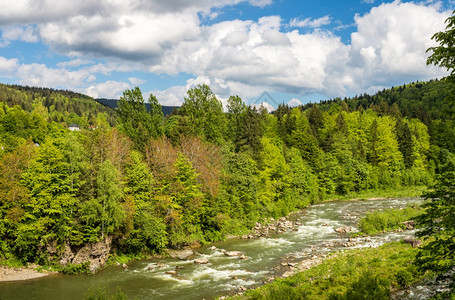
(267, 257)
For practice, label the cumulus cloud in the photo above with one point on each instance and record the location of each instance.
(308, 22)
(391, 41)
(24, 33)
(8, 67)
(109, 89)
(244, 57)
(136, 81)
(75, 63)
(294, 102)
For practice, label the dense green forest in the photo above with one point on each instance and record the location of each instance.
(151, 182)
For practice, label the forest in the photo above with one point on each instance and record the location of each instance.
(203, 172)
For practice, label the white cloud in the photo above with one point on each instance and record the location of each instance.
(41, 75)
(235, 57)
(109, 89)
(75, 63)
(136, 81)
(8, 67)
(24, 33)
(311, 23)
(390, 44)
(294, 102)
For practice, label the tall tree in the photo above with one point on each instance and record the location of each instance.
(205, 113)
(444, 54)
(135, 121)
(438, 222)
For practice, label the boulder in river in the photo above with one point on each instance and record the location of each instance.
(233, 253)
(201, 261)
(343, 229)
(180, 254)
(171, 272)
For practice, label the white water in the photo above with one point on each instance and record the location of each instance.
(223, 275)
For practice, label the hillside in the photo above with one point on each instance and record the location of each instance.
(139, 183)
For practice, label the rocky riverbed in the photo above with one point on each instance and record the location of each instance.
(275, 249)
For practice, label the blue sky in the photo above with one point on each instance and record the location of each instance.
(297, 51)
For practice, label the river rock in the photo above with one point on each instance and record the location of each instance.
(243, 257)
(409, 225)
(171, 272)
(287, 274)
(233, 253)
(213, 248)
(343, 229)
(242, 289)
(180, 254)
(412, 241)
(201, 261)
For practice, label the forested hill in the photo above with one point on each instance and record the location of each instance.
(425, 101)
(61, 105)
(142, 182)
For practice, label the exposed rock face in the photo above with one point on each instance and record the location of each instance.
(96, 254)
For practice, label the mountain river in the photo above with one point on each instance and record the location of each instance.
(267, 257)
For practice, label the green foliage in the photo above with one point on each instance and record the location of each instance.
(212, 174)
(443, 55)
(437, 220)
(72, 269)
(134, 120)
(98, 293)
(357, 274)
(205, 113)
(369, 286)
(387, 220)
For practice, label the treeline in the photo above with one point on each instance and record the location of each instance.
(200, 174)
(430, 102)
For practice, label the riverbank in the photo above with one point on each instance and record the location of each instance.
(361, 271)
(19, 274)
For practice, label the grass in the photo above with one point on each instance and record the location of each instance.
(356, 274)
(387, 220)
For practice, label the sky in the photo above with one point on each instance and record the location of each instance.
(288, 51)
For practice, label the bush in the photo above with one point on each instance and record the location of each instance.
(71, 269)
(368, 287)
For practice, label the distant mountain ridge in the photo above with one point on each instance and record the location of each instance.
(113, 103)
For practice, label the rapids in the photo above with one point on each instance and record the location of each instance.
(267, 258)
